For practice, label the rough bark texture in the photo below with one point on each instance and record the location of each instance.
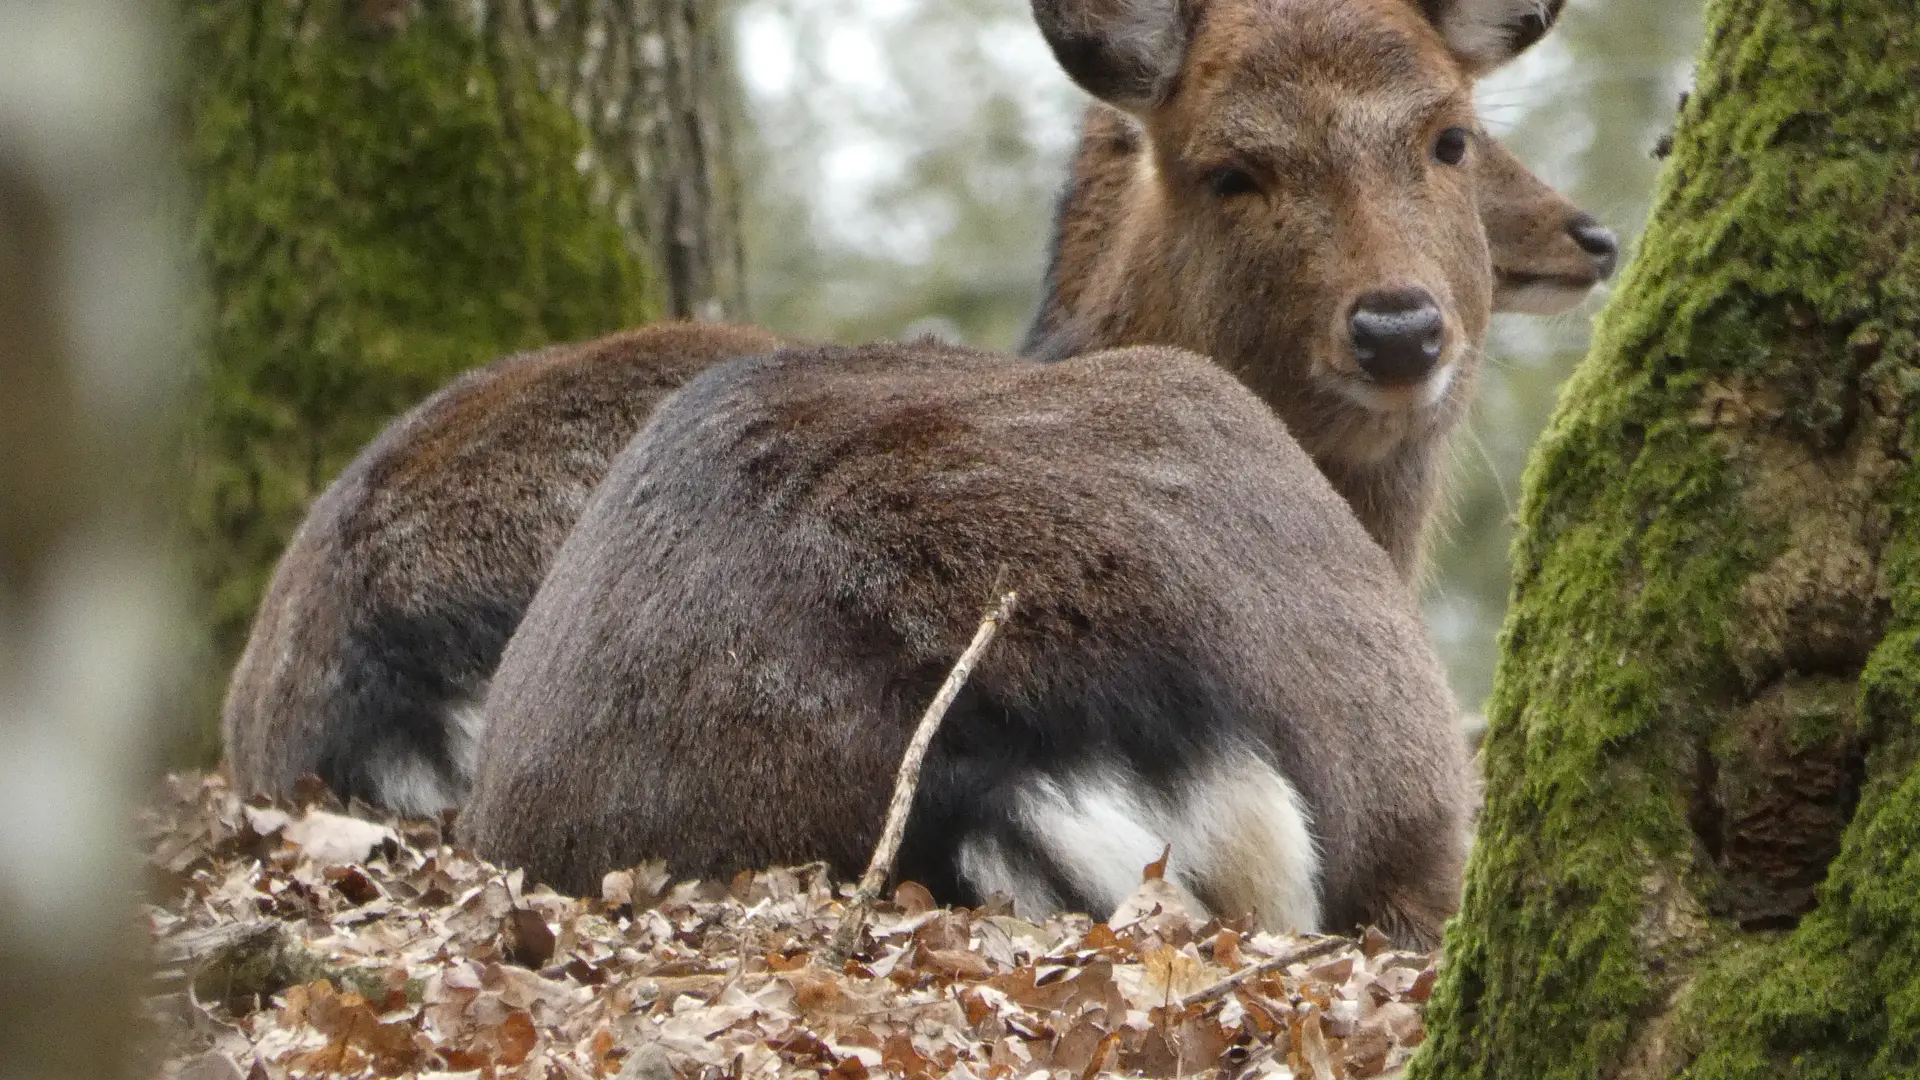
(88, 298)
(653, 81)
(1698, 854)
(391, 191)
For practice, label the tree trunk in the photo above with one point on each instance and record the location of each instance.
(1697, 856)
(654, 83)
(392, 191)
(88, 361)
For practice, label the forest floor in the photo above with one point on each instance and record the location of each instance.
(305, 942)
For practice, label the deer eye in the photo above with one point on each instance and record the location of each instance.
(1450, 146)
(1228, 181)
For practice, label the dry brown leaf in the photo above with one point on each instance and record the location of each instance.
(1156, 897)
(960, 963)
(330, 839)
(913, 898)
(526, 939)
(1314, 1052)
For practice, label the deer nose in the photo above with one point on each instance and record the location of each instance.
(1596, 240)
(1397, 336)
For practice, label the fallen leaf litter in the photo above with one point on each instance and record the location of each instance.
(304, 942)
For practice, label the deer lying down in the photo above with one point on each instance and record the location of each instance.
(735, 642)
(390, 607)
(388, 611)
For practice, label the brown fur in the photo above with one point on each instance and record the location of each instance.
(1540, 265)
(392, 603)
(390, 608)
(1332, 108)
(737, 638)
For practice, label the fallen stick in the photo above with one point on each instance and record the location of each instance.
(854, 919)
(1284, 960)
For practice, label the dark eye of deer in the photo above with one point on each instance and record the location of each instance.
(1451, 147)
(1227, 181)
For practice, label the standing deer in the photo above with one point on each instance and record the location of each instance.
(727, 656)
(388, 612)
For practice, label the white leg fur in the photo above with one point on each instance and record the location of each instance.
(1238, 833)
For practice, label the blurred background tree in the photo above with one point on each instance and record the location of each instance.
(388, 192)
(90, 356)
(907, 154)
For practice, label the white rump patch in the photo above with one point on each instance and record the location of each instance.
(984, 865)
(1239, 839)
(1481, 31)
(410, 786)
(413, 786)
(466, 722)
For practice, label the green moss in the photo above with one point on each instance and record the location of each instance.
(1839, 996)
(246, 973)
(1755, 371)
(376, 212)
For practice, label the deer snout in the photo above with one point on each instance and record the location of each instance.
(1598, 241)
(1397, 336)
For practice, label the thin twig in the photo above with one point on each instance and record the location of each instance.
(1284, 960)
(880, 867)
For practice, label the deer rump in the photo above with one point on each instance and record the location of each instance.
(735, 643)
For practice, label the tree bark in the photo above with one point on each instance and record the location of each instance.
(654, 82)
(1697, 853)
(88, 362)
(392, 191)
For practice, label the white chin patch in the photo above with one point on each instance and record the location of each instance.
(1238, 834)
(1539, 298)
(1389, 402)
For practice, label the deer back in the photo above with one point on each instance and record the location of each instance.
(389, 609)
(734, 644)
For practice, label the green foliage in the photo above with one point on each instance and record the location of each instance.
(377, 210)
(1722, 508)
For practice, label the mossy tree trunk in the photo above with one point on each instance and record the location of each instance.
(392, 191)
(1700, 853)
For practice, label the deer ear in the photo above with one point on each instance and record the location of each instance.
(1484, 34)
(1127, 53)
